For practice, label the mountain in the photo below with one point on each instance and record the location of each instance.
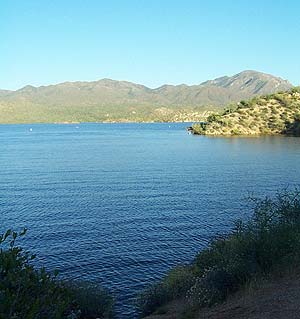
(224, 90)
(273, 114)
(109, 100)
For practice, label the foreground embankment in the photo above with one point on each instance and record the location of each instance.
(252, 272)
(272, 298)
(266, 246)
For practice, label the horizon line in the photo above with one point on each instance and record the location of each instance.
(136, 83)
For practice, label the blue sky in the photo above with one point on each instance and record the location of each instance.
(148, 42)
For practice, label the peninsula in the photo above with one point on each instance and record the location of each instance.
(272, 114)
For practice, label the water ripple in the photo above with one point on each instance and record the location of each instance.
(122, 204)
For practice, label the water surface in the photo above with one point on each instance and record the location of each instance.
(121, 204)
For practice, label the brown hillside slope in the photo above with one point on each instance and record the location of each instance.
(267, 115)
(109, 101)
(271, 299)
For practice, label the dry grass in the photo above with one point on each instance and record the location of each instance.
(273, 298)
(270, 115)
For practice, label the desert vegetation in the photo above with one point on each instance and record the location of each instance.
(27, 292)
(273, 114)
(120, 101)
(268, 243)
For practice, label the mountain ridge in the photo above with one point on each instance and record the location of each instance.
(216, 80)
(112, 100)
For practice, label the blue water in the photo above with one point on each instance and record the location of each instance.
(120, 204)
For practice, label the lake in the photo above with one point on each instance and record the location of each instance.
(120, 204)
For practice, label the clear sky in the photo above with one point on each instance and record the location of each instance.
(151, 42)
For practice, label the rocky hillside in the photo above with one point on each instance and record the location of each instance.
(267, 115)
(109, 100)
(224, 90)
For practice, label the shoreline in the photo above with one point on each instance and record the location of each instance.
(106, 122)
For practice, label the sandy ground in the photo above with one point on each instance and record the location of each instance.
(274, 299)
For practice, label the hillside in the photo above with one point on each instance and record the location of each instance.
(267, 115)
(252, 272)
(108, 100)
(274, 298)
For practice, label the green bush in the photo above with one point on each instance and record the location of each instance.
(295, 89)
(229, 109)
(243, 104)
(281, 98)
(24, 291)
(292, 127)
(236, 131)
(199, 128)
(213, 117)
(211, 288)
(269, 241)
(297, 117)
(92, 300)
(30, 293)
(176, 283)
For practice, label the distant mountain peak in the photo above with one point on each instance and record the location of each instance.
(94, 100)
(251, 81)
(27, 88)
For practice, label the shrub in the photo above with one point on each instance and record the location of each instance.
(295, 89)
(27, 292)
(236, 131)
(228, 123)
(210, 289)
(176, 283)
(292, 128)
(199, 128)
(24, 291)
(270, 238)
(229, 109)
(297, 117)
(282, 99)
(213, 117)
(243, 104)
(268, 241)
(92, 300)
